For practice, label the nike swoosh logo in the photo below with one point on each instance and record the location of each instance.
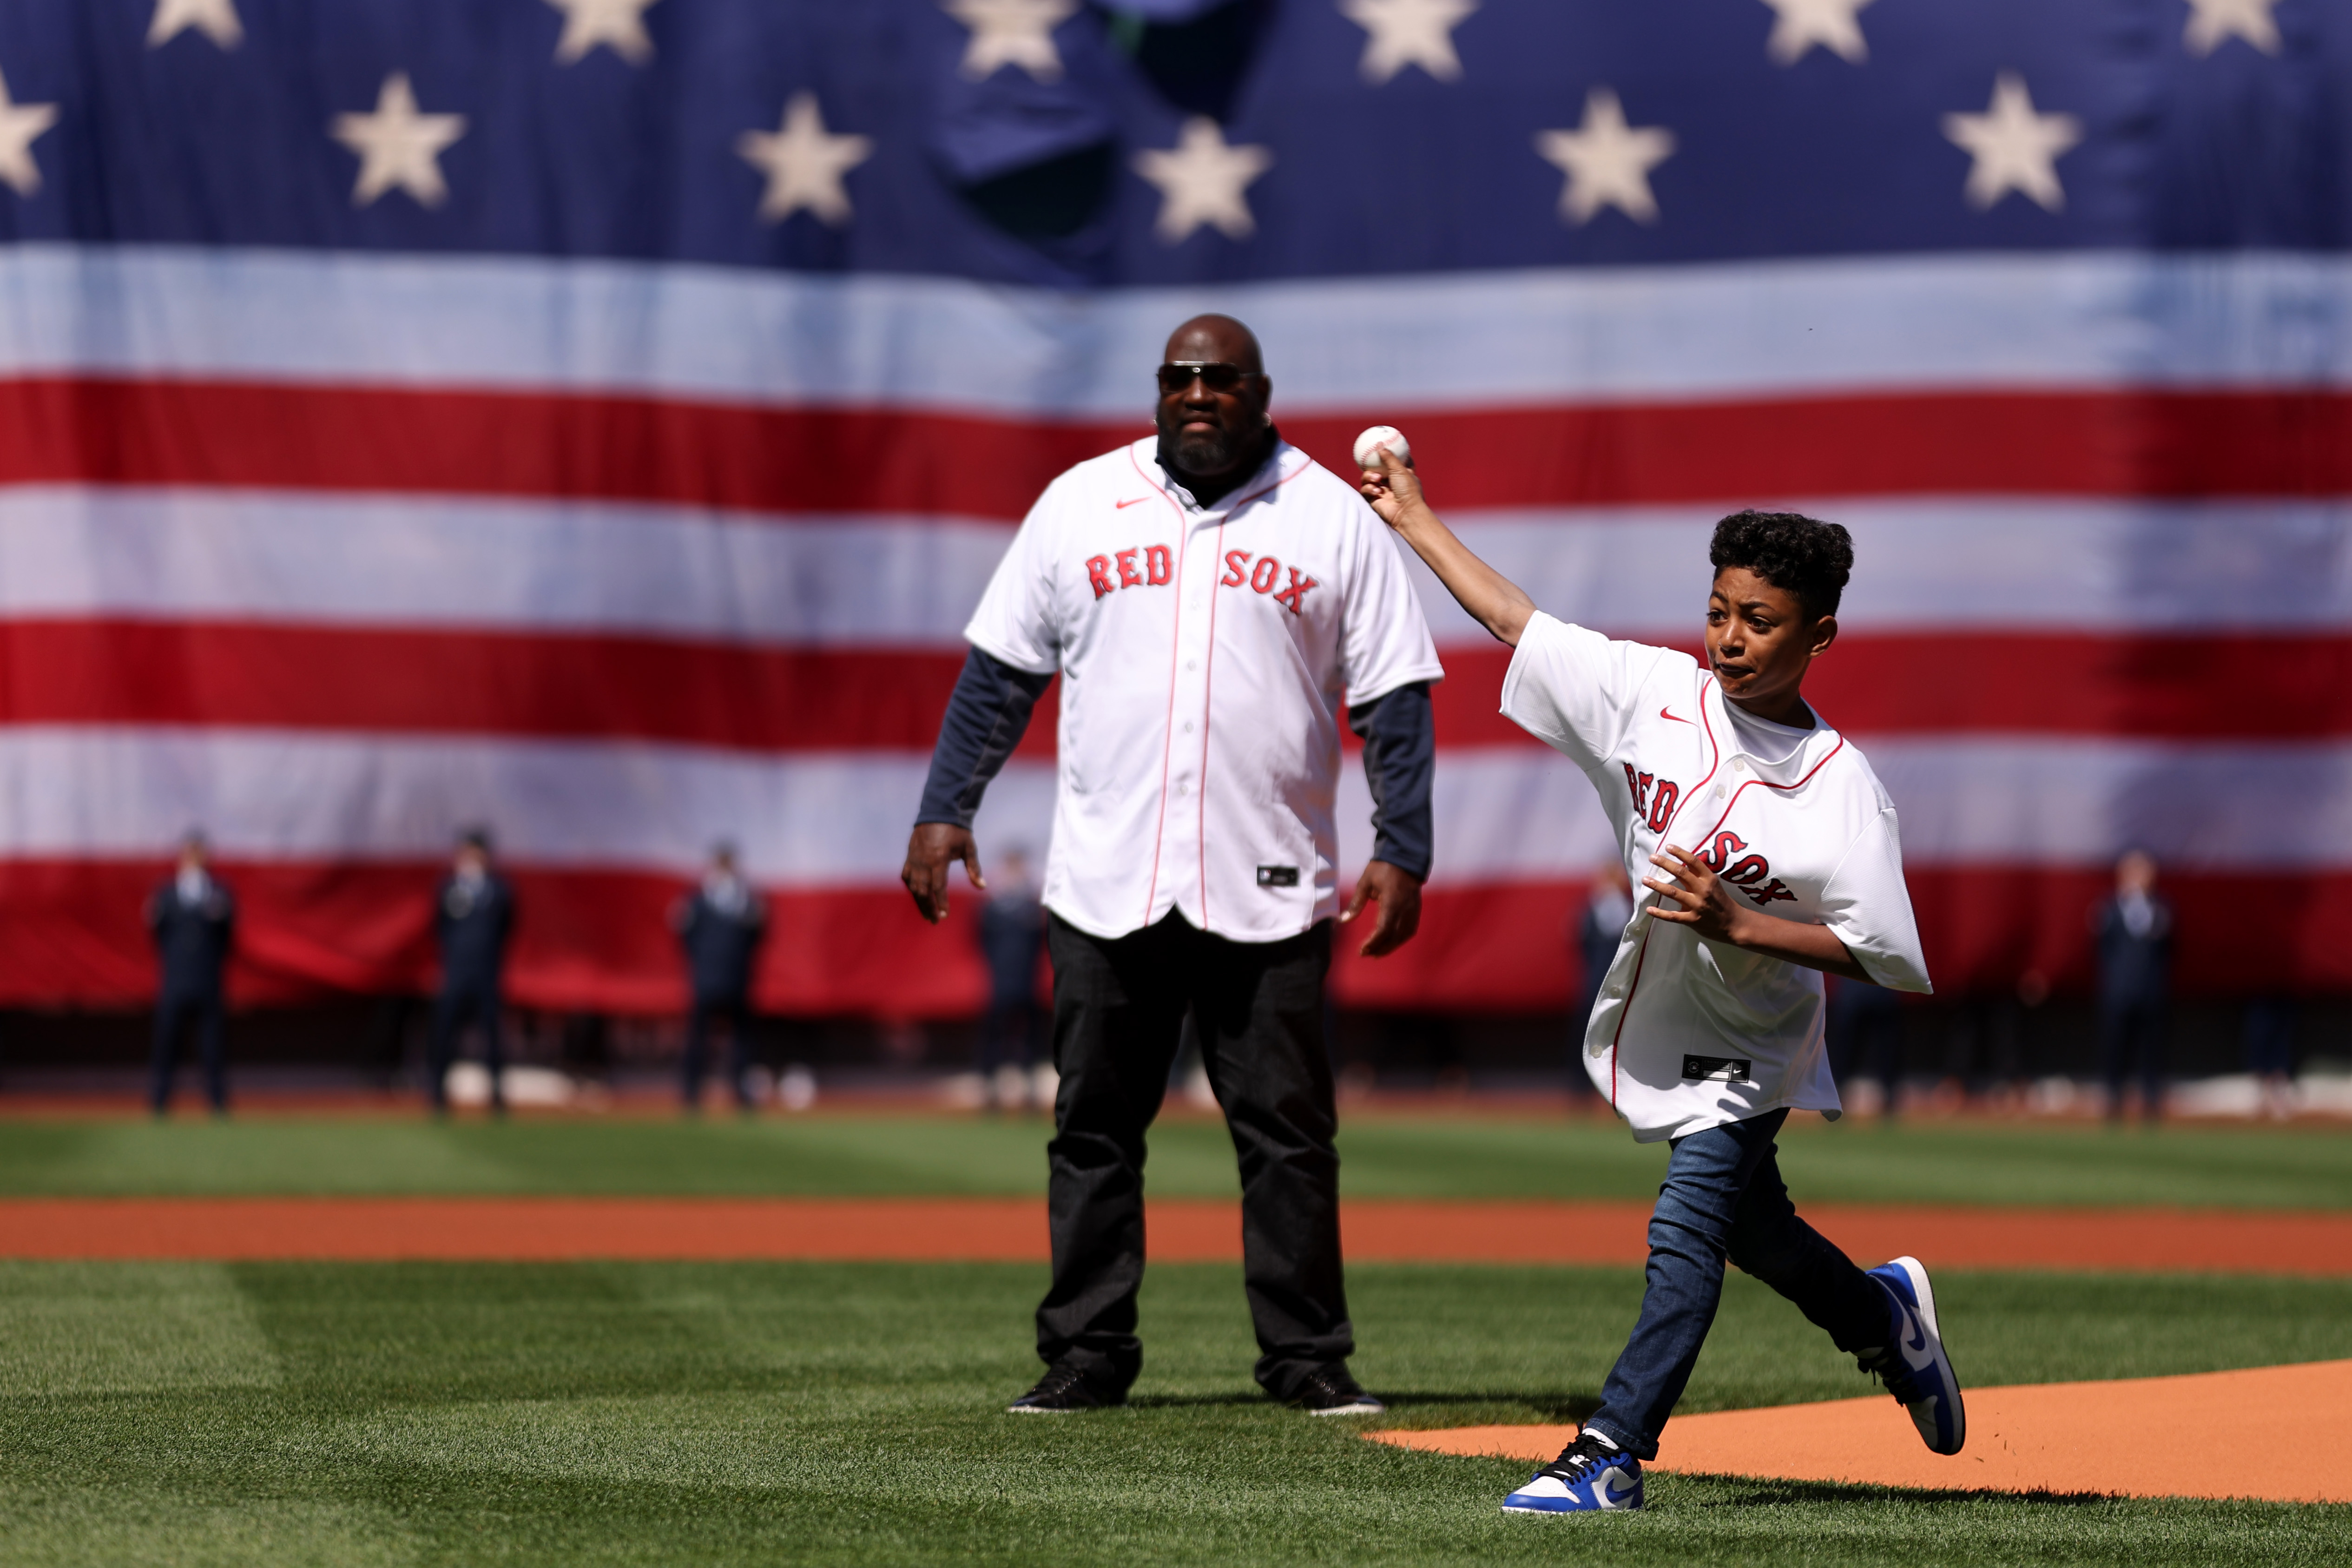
(1138, 500)
(1678, 717)
(1606, 1493)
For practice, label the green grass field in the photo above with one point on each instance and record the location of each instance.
(1383, 1155)
(850, 1414)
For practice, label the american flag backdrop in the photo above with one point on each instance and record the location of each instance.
(597, 418)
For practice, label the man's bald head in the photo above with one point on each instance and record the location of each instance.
(1215, 340)
(1214, 429)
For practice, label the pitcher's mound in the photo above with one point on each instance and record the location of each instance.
(2282, 1434)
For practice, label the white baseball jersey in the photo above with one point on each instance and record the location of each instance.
(1689, 1034)
(1205, 655)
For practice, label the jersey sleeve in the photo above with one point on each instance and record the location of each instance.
(1384, 640)
(1016, 621)
(1572, 688)
(1869, 908)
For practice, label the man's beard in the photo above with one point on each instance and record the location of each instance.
(1204, 452)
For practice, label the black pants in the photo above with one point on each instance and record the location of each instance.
(738, 1015)
(460, 1006)
(177, 1012)
(2131, 1038)
(1118, 1008)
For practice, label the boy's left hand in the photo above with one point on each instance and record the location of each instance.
(1705, 898)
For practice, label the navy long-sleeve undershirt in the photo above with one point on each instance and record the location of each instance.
(990, 711)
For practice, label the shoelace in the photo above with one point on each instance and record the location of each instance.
(1056, 1383)
(1330, 1387)
(1580, 1460)
(1892, 1373)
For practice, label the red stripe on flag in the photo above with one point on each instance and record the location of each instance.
(1968, 682)
(70, 935)
(285, 437)
(482, 683)
(766, 698)
(1509, 948)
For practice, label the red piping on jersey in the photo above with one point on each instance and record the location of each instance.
(1168, 727)
(1207, 675)
(1720, 821)
(1715, 764)
(1175, 650)
(1200, 796)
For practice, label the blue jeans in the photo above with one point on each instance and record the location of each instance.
(1724, 1197)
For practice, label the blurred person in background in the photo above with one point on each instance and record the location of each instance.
(1608, 905)
(1011, 940)
(193, 920)
(473, 916)
(720, 925)
(2133, 929)
(1863, 1027)
(2269, 1052)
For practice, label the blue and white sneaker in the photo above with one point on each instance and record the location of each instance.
(1592, 1475)
(1914, 1368)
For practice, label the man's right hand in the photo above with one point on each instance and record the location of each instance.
(930, 850)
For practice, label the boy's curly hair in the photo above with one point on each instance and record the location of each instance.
(1798, 555)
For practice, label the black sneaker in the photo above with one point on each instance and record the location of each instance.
(1064, 1389)
(1330, 1391)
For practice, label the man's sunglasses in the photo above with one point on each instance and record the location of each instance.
(1217, 375)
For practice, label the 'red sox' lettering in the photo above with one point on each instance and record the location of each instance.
(1747, 873)
(1154, 566)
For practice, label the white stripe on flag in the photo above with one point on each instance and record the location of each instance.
(1509, 816)
(2051, 320)
(1503, 814)
(628, 569)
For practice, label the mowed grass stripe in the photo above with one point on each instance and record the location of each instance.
(1383, 1155)
(849, 1414)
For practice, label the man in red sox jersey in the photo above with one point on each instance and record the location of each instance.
(1764, 853)
(1210, 599)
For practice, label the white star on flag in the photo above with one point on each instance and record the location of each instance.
(803, 164)
(1607, 161)
(1799, 25)
(2212, 23)
(216, 19)
(20, 124)
(1011, 32)
(619, 24)
(1201, 181)
(2014, 148)
(1409, 33)
(399, 147)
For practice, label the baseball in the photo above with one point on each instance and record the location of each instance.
(1369, 442)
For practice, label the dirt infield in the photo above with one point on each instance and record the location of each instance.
(1013, 1230)
(2212, 1434)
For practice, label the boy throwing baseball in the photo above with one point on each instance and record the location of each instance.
(1763, 853)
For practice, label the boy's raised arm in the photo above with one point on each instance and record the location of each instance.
(1493, 600)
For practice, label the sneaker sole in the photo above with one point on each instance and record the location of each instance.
(1916, 1272)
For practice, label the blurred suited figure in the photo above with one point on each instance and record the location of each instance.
(473, 916)
(1608, 905)
(2135, 939)
(193, 920)
(2269, 1052)
(720, 925)
(1011, 937)
(1865, 1030)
